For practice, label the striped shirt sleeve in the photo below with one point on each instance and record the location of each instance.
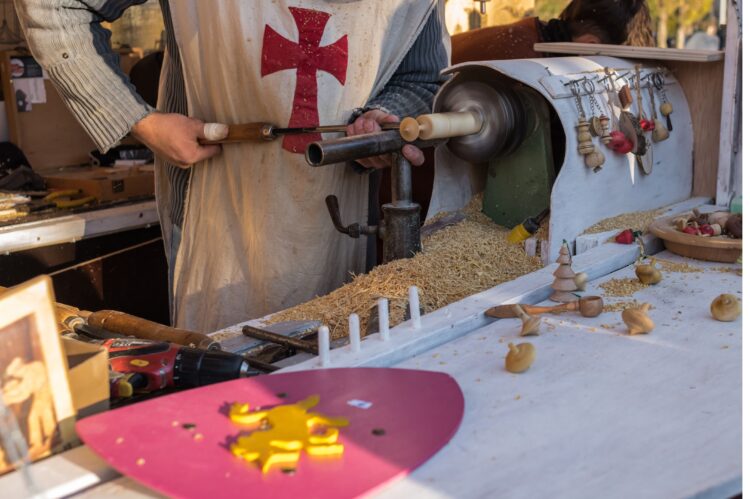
(413, 86)
(66, 37)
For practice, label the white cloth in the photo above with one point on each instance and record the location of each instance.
(257, 236)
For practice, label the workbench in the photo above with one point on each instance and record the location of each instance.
(599, 414)
(62, 226)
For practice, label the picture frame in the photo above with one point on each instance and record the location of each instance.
(33, 376)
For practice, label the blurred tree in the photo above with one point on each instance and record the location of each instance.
(676, 18)
(548, 9)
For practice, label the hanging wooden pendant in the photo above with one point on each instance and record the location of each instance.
(595, 126)
(666, 110)
(585, 145)
(604, 123)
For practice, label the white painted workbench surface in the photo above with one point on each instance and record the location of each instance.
(600, 413)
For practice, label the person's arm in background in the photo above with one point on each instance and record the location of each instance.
(409, 92)
(66, 37)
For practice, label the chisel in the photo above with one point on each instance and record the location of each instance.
(265, 131)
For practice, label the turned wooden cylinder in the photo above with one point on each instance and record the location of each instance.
(440, 126)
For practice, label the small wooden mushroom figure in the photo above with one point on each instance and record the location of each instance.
(520, 358)
(648, 273)
(637, 319)
(530, 324)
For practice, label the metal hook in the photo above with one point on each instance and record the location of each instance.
(574, 82)
(658, 80)
(589, 87)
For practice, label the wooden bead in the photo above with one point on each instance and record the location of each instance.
(584, 137)
(586, 147)
(666, 108)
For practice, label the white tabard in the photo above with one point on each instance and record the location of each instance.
(257, 237)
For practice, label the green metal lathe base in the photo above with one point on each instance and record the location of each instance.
(519, 184)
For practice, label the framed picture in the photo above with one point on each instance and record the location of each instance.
(33, 376)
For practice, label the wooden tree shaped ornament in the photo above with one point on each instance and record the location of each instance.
(564, 282)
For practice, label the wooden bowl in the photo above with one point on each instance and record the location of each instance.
(714, 249)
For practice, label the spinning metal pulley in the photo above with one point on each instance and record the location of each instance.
(478, 118)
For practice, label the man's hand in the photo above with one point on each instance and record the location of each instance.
(370, 122)
(174, 138)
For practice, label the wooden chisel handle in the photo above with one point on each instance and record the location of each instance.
(126, 324)
(238, 133)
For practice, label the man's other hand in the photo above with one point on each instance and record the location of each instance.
(174, 138)
(370, 122)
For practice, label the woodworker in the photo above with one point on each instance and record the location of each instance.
(245, 226)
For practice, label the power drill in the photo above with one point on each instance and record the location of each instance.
(146, 366)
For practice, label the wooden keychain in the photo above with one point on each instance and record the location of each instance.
(599, 125)
(629, 124)
(647, 125)
(593, 157)
(666, 107)
(619, 143)
(660, 132)
(644, 156)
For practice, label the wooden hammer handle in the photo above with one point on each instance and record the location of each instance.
(122, 323)
(242, 133)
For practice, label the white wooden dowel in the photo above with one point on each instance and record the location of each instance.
(354, 339)
(414, 312)
(324, 346)
(383, 318)
(530, 246)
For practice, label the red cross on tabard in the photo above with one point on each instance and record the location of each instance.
(307, 57)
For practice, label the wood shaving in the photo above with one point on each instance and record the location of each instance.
(670, 266)
(458, 261)
(638, 220)
(622, 287)
(725, 270)
(619, 306)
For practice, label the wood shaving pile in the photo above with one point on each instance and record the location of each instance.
(622, 287)
(458, 261)
(638, 220)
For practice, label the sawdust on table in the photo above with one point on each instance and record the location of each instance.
(622, 287)
(670, 266)
(456, 262)
(637, 220)
(619, 306)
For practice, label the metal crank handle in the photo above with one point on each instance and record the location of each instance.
(354, 230)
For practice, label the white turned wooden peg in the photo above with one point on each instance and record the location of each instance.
(414, 312)
(355, 342)
(383, 317)
(440, 126)
(324, 346)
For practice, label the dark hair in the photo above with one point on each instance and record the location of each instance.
(612, 21)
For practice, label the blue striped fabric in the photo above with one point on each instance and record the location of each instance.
(66, 37)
